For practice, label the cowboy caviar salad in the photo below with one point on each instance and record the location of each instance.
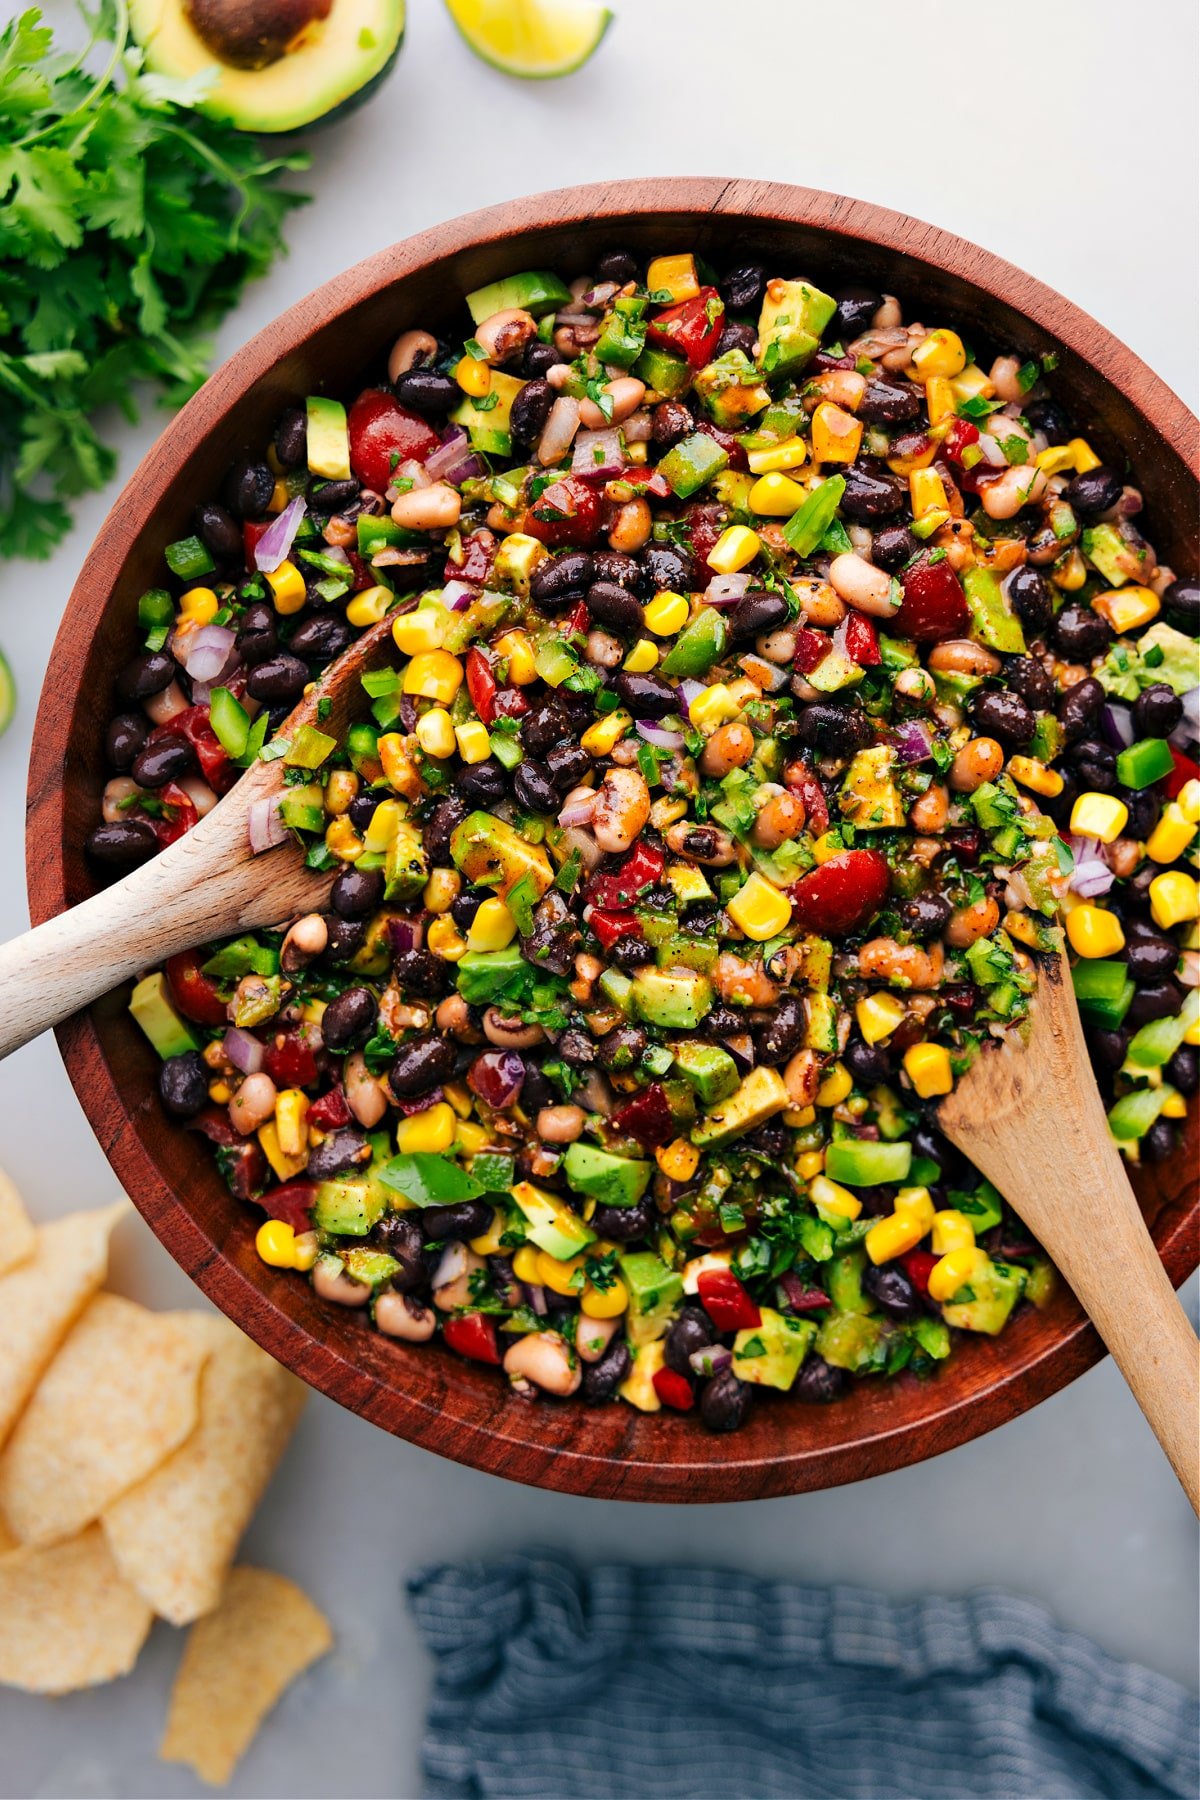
(772, 674)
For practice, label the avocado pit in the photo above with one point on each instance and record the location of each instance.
(253, 34)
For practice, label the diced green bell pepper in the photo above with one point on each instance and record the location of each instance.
(188, 558)
(623, 336)
(809, 523)
(864, 1162)
(1145, 762)
(156, 609)
(666, 374)
(1135, 1113)
(699, 645)
(229, 720)
(693, 461)
(993, 624)
(1157, 1042)
(309, 748)
(1104, 992)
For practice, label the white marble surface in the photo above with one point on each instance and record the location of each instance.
(1058, 134)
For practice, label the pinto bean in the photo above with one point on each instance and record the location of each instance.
(621, 811)
(930, 812)
(972, 922)
(883, 959)
(961, 656)
(781, 819)
(862, 585)
(730, 747)
(978, 761)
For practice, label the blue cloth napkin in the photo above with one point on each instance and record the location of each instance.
(688, 1684)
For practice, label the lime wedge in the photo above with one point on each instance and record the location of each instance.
(8, 695)
(536, 39)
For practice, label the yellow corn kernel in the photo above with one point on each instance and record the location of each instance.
(836, 1085)
(829, 844)
(275, 1243)
(674, 276)
(525, 1264)
(488, 1242)
(370, 606)
(470, 1137)
(474, 745)
(799, 1118)
(473, 376)
(342, 841)
(920, 459)
(516, 647)
(1069, 572)
(643, 657)
(1188, 799)
(1056, 459)
(431, 1130)
(1100, 816)
(810, 1163)
(679, 1160)
(759, 909)
(398, 765)
(1174, 899)
(941, 403)
(941, 353)
(199, 606)
(287, 588)
(220, 1092)
(834, 1199)
(836, 434)
(972, 384)
(284, 1166)
(736, 547)
(1085, 456)
(1171, 836)
(279, 497)
(952, 1230)
(928, 1068)
(878, 1016)
(926, 492)
(444, 940)
(915, 1203)
(666, 614)
(1128, 608)
(788, 455)
(893, 1237)
(560, 1277)
(1035, 775)
(713, 707)
(291, 1121)
(605, 1303)
(305, 1251)
(435, 733)
(424, 629)
(599, 738)
(385, 822)
(1094, 931)
(434, 675)
(1019, 925)
(954, 1271)
(1174, 1107)
(340, 790)
(460, 1098)
(492, 928)
(441, 891)
(776, 495)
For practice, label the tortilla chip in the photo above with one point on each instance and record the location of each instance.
(121, 1394)
(18, 1235)
(42, 1298)
(67, 1618)
(236, 1663)
(176, 1533)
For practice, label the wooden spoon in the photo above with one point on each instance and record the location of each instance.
(206, 885)
(1031, 1118)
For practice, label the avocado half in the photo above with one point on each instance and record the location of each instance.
(278, 65)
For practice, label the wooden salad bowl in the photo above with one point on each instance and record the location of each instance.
(323, 343)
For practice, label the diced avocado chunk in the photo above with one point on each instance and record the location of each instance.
(760, 1096)
(675, 999)
(372, 1267)
(1108, 551)
(993, 622)
(870, 798)
(486, 421)
(988, 1299)
(550, 1223)
(731, 391)
(654, 1294)
(711, 1071)
(301, 808)
(793, 316)
(490, 853)
(515, 561)
(770, 1354)
(817, 964)
(349, 1205)
(406, 865)
(153, 1008)
(482, 975)
(851, 1341)
(328, 438)
(864, 1162)
(537, 291)
(834, 672)
(821, 1030)
(843, 1280)
(613, 1180)
(638, 1386)
(688, 884)
(665, 374)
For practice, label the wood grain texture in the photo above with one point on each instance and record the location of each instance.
(1029, 1115)
(427, 1395)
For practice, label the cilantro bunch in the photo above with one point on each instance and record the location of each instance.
(129, 225)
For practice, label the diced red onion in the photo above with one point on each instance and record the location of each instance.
(208, 651)
(419, 1103)
(798, 1296)
(689, 691)
(1084, 849)
(458, 595)
(273, 546)
(264, 826)
(562, 422)
(455, 449)
(724, 590)
(659, 735)
(451, 1264)
(741, 1047)
(1091, 878)
(536, 1297)
(402, 935)
(244, 1050)
(912, 741)
(598, 453)
(710, 1359)
(638, 427)
(991, 452)
(496, 1076)
(578, 807)
(1116, 721)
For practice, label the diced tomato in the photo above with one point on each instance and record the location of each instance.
(179, 817)
(862, 643)
(473, 1335)
(289, 1059)
(576, 619)
(726, 1301)
(211, 753)
(383, 434)
(960, 434)
(655, 487)
(331, 1111)
(812, 647)
(364, 577)
(511, 703)
(674, 1390)
(691, 327)
(917, 1265)
(843, 893)
(242, 1161)
(934, 603)
(609, 926)
(252, 530)
(291, 1203)
(816, 807)
(1185, 770)
(647, 1117)
(642, 868)
(481, 684)
(479, 553)
(705, 524)
(192, 991)
(567, 512)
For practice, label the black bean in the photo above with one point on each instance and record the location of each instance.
(125, 737)
(162, 759)
(629, 953)
(427, 392)
(248, 489)
(1183, 1070)
(615, 606)
(834, 730)
(737, 336)
(1158, 1145)
(1031, 598)
(692, 1330)
(128, 841)
(670, 421)
(742, 288)
(281, 677)
(349, 1019)
(665, 566)
(871, 494)
(1048, 416)
(1094, 490)
(345, 937)
(614, 566)
(625, 1224)
(1081, 633)
(420, 1064)
(483, 781)
(819, 1382)
(999, 713)
(544, 725)
(321, 637)
(257, 637)
(1154, 1000)
(339, 1151)
(892, 547)
(402, 1237)
(602, 1378)
(1078, 706)
(420, 972)
(530, 410)
(566, 765)
(890, 403)
(538, 358)
(363, 808)
(537, 1090)
(470, 1218)
(356, 892)
(784, 1034)
(621, 1048)
(560, 580)
(1157, 711)
(219, 530)
(533, 788)
(1181, 604)
(868, 1063)
(577, 1048)
(183, 1084)
(856, 307)
(146, 675)
(291, 437)
(646, 696)
(756, 613)
(1034, 683)
(1149, 953)
(465, 905)
(618, 265)
(438, 828)
(724, 1402)
(892, 1290)
(1143, 806)
(1108, 1048)
(926, 916)
(929, 1143)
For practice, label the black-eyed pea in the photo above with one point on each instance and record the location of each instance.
(331, 1282)
(253, 1104)
(593, 1336)
(399, 1316)
(409, 349)
(547, 1360)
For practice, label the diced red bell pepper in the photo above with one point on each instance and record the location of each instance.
(843, 893)
(193, 992)
(816, 806)
(481, 684)
(331, 1111)
(364, 577)
(799, 1296)
(292, 1203)
(242, 1161)
(960, 434)
(479, 553)
(822, 361)
(934, 603)
(609, 926)
(812, 647)
(567, 512)
(473, 1335)
(211, 753)
(690, 327)
(289, 1059)
(1185, 770)
(726, 1301)
(384, 434)
(576, 619)
(179, 817)
(862, 642)
(917, 1265)
(642, 868)
(647, 1117)
(252, 531)
(510, 703)
(674, 1390)
(705, 524)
